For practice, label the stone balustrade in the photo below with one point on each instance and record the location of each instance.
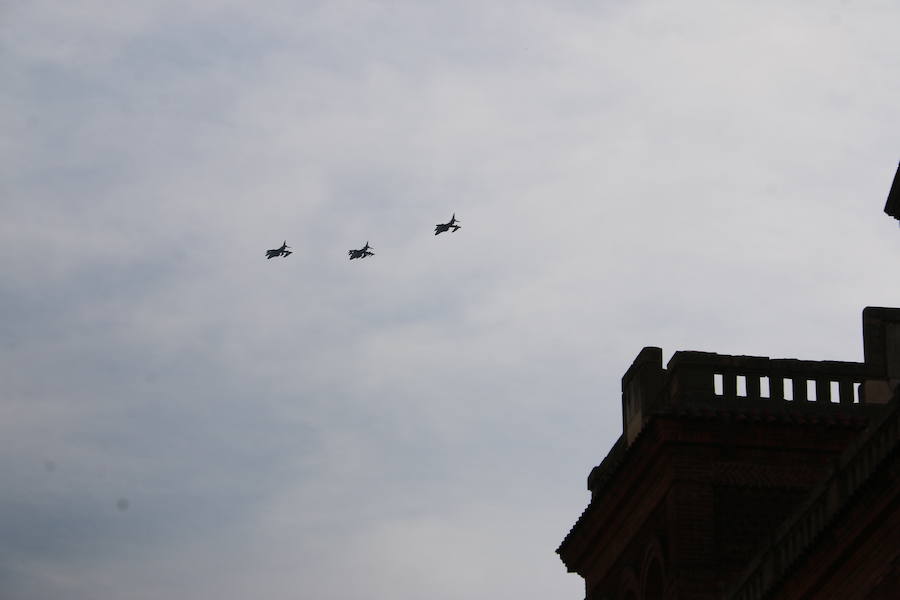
(713, 379)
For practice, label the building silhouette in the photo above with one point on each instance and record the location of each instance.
(892, 206)
(745, 477)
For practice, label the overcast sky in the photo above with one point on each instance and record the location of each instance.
(181, 418)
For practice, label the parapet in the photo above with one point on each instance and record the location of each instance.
(881, 351)
(709, 382)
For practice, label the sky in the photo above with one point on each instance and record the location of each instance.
(181, 417)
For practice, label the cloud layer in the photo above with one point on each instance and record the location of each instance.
(182, 417)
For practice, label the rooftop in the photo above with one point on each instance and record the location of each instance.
(706, 385)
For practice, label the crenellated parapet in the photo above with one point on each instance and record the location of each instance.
(719, 382)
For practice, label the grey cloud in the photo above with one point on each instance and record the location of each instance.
(705, 178)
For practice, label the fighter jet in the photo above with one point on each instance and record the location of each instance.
(451, 224)
(283, 251)
(362, 252)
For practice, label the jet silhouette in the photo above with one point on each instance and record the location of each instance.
(283, 251)
(451, 224)
(362, 252)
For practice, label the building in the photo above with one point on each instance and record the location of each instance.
(892, 207)
(746, 477)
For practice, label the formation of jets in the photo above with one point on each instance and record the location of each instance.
(285, 250)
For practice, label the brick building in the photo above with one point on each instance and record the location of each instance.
(747, 477)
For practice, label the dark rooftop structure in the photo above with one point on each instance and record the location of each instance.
(750, 478)
(893, 202)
